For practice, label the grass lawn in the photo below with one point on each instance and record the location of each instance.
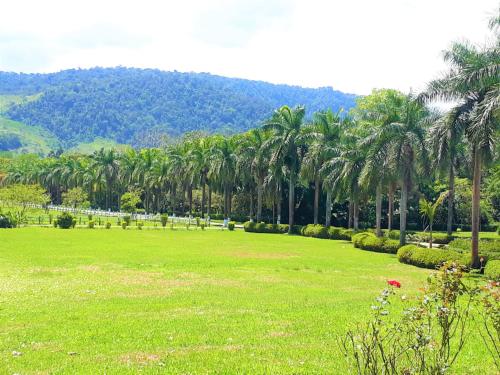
(122, 302)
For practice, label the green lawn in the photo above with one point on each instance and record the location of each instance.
(122, 302)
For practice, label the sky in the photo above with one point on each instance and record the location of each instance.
(350, 45)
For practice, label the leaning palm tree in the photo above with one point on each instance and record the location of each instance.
(285, 147)
(474, 81)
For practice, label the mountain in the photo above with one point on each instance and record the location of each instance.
(125, 104)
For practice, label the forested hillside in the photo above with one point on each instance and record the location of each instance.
(124, 104)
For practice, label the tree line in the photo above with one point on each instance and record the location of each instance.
(390, 145)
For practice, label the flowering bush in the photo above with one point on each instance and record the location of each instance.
(425, 339)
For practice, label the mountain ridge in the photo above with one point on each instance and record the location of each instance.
(123, 104)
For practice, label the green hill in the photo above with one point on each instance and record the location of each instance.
(123, 104)
(96, 145)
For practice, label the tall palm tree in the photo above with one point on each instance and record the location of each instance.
(474, 81)
(223, 168)
(405, 147)
(322, 136)
(106, 164)
(285, 145)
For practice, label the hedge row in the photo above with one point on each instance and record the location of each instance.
(369, 241)
(492, 269)
(430, 258)
(253, 227)
(437, 238)
(310, 230)
(489, 249)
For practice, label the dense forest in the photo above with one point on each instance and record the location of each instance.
(125, 104)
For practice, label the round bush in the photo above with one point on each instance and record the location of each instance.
(124, 225)
(65, 220)
(140, 224)
(91, 224)
(231, 225)
(108, 225)
(6, 222)
(164, 220)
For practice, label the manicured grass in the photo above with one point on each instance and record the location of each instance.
(122, 302)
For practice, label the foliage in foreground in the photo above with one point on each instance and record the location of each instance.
(428, 337)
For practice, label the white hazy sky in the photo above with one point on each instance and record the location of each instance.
(351, 45)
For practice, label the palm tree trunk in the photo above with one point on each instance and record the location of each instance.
(229, 203)
(203, 197)
(260, 188)
(278, 204)
(328, 213)
(172, 199)
(225, 202)
(378, 210)
(349, 215)
(316, 199)
(451, 198)
(390, 208)
(430, 238)
(476, 195)
(402, 213)
(209, 205)
(355, 210)
(190, 197)
(291, 200)
(251, 205)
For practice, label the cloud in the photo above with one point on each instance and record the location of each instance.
(353, 45)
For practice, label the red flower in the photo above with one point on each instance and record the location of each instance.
(395, 283)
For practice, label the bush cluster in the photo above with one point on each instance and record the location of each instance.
(231, 225)
(332, 233)
(66, 221)
(430, 258)
(164, 220)
(369, 241)
(492, 269)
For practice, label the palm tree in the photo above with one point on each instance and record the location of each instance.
(323, 136)
(223, 168)
(445, 139)
(405, 148)
(429, 209)
(474, 81)
(106, 164)
(285, 146)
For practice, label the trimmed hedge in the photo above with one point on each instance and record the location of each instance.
(492, 269)
(489, 249)
(253, 227)
(231, 225)
(369, 241)
(430, 258)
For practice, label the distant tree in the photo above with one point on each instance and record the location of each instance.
(130, 200)
(75, 197)
(19, 197)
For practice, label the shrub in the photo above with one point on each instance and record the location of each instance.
(369, 241)
(73, 223)
(65, 220)
(249, 226)
(140, 224)
(392, 234)
(91, 224)
(164, 220)
(357, 239)
(198, 221)
(6, 221)
(391, 246)
(430, 258)
(54, 223)
(492, 269)
(124, 225)
(90, 217)
(202, 225)
(231, 225)
(316, 231)
(126, 219)
(296, 229)
(108, 225)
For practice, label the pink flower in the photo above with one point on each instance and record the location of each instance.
(395, 283)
